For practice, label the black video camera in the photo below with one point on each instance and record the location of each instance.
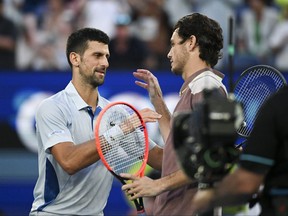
(204, 139)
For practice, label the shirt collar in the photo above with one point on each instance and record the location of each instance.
(187, 81)
(77, 99)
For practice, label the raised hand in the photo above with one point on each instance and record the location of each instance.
(149, 82)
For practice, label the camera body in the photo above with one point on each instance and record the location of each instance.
(204, 139)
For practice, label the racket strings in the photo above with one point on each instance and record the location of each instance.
(125, 147)
(252, 91)
(121, 157)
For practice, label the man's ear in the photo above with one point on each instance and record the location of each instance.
(192, 42)
(74, 59)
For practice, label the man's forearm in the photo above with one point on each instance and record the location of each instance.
(237, 188)
(224, 198)
(164, 121)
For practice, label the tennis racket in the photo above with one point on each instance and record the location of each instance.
(122, 142)
(254, 86)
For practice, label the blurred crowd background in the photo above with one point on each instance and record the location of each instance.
(33, 65)
(33, 33)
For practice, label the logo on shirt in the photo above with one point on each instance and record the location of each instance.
(57, 132)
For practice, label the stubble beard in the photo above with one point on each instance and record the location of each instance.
(96, 83)
(178, 68)
(92, 79)
(176, 71)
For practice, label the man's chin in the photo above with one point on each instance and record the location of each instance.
(176, 72)
(101, 83)
(97, 84)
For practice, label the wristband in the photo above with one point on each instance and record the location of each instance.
(114, 133)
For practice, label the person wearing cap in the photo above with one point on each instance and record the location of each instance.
(8, 37)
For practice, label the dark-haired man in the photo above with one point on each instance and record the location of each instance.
(72, 180)
(195, 49)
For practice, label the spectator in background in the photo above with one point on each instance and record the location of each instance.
(127, 51)
(8, 37)
(278, 41)
(184, 7)
(33, 6)
(26, 15)
(151, 24)
(257, 22)
(221, 11)
(53, 31)
(12, 10)
(26, 46)
(44, 25)
(102, 14)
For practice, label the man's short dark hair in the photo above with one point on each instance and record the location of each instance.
(208, 35)
(78, 40)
